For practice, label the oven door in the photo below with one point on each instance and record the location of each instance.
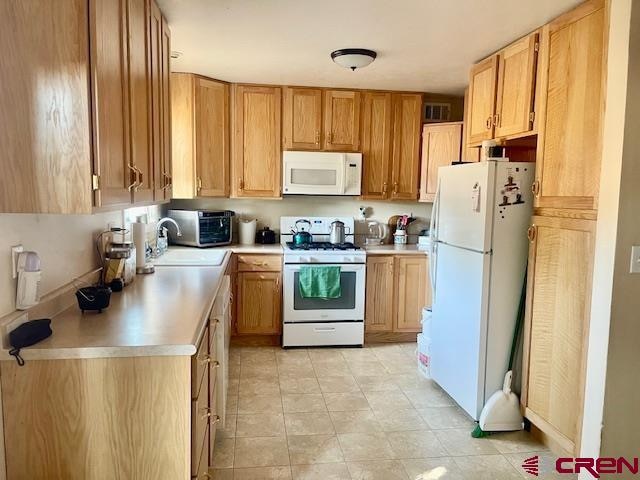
(349, 307)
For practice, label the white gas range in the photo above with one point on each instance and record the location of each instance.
(319, 321)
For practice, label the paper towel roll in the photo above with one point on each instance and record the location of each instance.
(139, 233)
(247, 231)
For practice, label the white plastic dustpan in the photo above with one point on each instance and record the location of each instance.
(501, 413)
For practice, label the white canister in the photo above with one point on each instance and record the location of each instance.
(247, 231)
(400, 237)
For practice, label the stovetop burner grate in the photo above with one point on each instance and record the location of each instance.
(323, 246)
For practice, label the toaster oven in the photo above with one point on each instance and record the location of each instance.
(202, 228)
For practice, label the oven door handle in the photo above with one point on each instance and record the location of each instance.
(324, 329)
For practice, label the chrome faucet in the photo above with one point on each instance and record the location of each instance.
(162, 241)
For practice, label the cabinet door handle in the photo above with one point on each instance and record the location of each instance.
(384, 188)
(240, 184)
(206, 413)
(395, 188)
(198, 185)
(132, 174)
(532, 232)
(496, 120)
(317, 138)
(204, 359)
(215, 364)
(329, 138)
(215, 419)
(489, 122)
(535, 188)
(167, 181)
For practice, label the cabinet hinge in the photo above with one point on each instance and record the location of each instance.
(532, 116)
(95, 182)
(536, 47)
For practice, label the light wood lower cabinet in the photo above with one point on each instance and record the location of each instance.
(557, 323)
(441, 144)
(259, 295)
(397, 290)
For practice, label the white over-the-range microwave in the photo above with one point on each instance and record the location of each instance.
(321, 173)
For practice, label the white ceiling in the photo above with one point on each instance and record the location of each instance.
(423, 45)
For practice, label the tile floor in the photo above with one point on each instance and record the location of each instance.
(354, 414)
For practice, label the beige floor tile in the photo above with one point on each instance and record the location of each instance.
(487, 467)
(376, 383)
(359, 421)
(398, 366)
(446, 417)
(458, 442)
(546, 462)
(366, 367)
(415, 444)
(295, 355)
(260, 425)
(377, 470)
(325, 355)
(234, 370)
(258, 354)
(411, 380)
(263, 473)
(400, 420)
(304, 370)
(344, 402)
(442, 468)
(261, 452)
(307, 449)
(365, 446)
(223, 452)
(257, 370)
(383, 401)
(259, 386)
(299, 385)
(516, 442)
(233, 387)
(358, 354)
(259, 404)
(232, 404)
(229, 428)
(409, 348)
(429, 396)
(308, 423)
(338, 384)
(303, 402)
(321, 471)
(222, 474)
(331, 369)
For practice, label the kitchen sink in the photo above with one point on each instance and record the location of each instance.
(191, 256)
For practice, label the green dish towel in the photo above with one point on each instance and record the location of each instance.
(321, 281)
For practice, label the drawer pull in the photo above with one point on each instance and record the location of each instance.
(204, 359)
(324, 329)
(215, 364)
(206, 413)
(215, 420)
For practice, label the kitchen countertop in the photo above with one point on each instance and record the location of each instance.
(396, 250)
(274, 248)
(161, 314)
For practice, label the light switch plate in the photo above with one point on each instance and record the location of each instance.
(635, 259)
(14, 259)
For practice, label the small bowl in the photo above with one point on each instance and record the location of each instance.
(93, 298)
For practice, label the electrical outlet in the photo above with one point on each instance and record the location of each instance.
(15, 251)
(635, 260)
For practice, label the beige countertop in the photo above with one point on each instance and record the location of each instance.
(161, 314)
(396, 250)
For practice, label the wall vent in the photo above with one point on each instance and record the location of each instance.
(433, 112)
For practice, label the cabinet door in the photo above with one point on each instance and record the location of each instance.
(341, 120)
(302, 119)
(141, 158)
(376, 145)
(440, 147)
(407, 126)
(516, 82)
(108, 40)
(45, 140)
(259, 303)
(412, 292)
(482, 99)
(570, 130)
(256, 158)
(165, 89)
(469, 154)
(557, 321)
(160, 181)
(212, 138)
(378, 315)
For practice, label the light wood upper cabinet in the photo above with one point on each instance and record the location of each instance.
(256, 154)
(482, 99)
(556, 330)
(259, 303)
(376, 145)
(45, 156)
(468, 154)
(407, 126)
(302, 118)
(378, 316)
(341, 120)
(571, 109)
(516, 84)
(111, 156)
(440, 147)
(200, 136)
(412, 292)
(165, 87)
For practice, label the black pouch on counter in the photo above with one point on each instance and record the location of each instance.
(27, 334)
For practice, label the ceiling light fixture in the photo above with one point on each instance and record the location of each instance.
(353, 57)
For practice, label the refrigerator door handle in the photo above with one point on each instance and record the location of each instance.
(433, 233)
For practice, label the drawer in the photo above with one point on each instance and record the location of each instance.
(199, 364)
(259, 263)
(202, 470)
(200, 418)
(214, 420)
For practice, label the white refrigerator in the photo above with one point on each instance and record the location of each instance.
(478, 259)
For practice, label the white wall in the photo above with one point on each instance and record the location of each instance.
(268, 212)
(65, 244)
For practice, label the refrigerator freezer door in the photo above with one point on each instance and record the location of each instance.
(465, 212)
(459, 325)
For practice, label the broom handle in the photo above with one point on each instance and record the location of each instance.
(519, 320)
